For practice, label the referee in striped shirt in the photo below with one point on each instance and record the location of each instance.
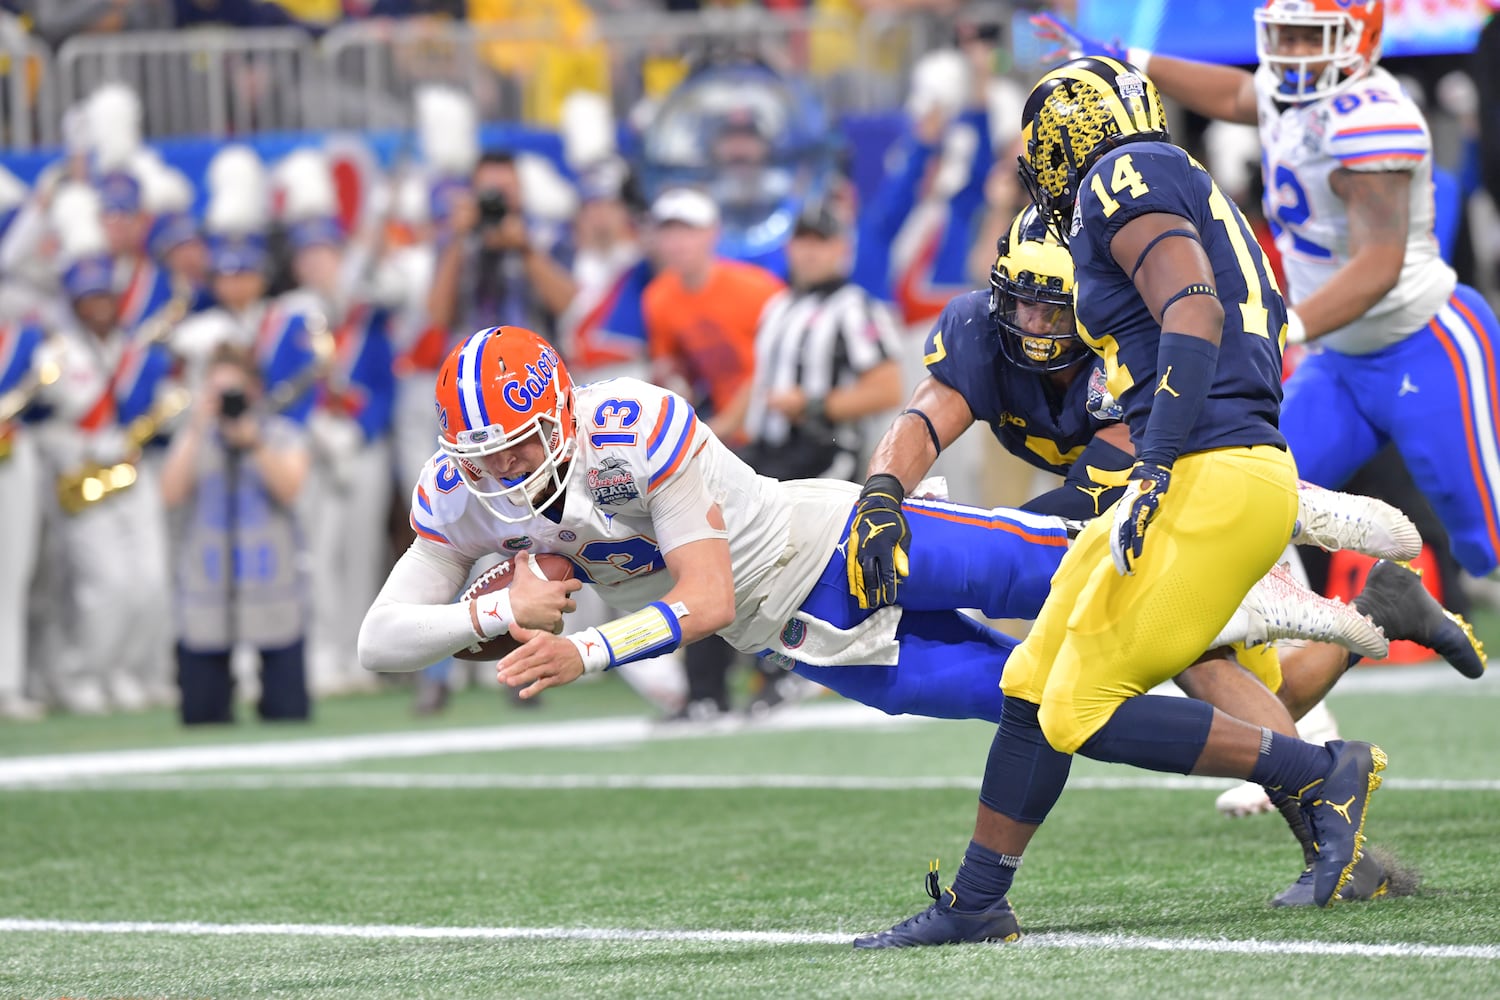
(825, 360)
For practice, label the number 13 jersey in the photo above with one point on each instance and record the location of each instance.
(621, 512)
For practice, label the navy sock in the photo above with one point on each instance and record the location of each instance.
(1289, 764)
(1155, 732)
(983, 879)
(1024, 775)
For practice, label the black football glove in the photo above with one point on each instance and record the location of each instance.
(878, 541)
(1134, 511)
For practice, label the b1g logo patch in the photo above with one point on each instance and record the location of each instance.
(612, 483)
(794, 633)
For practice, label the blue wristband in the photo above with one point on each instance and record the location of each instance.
(1186, 367)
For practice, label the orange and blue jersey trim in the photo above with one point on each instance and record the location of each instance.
(1411, 155)
(664, 460)
(1478, 389)
(426, 532)
(992, 521)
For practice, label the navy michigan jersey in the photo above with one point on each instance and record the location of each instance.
(1244, 401)
(1033, 420)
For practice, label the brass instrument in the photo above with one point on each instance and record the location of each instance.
(15, 400)
(285, 393)
(81, 488)
(84, 486)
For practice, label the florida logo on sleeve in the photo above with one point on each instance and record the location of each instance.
(794, 634)
(612, 482)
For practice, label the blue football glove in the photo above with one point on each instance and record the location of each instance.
(1134, 511)
(1070, 44)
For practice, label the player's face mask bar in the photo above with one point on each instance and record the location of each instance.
(1038, 326)
(1310, 53)
(528, 492)
(1031, 297)
(506, 414)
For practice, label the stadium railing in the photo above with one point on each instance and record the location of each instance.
(216, 83)
(29, 115)
(209, 81)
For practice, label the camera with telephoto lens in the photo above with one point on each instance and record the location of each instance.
(233, 404)
(493, 207)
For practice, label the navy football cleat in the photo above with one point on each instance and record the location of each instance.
(1367, 881)
(1394, 597)
(941, 923)
(1335, 808)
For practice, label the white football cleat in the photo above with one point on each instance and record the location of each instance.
(1278, 607)
(1332, 520)
(1245, 799)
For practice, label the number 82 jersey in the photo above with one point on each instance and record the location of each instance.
(1141, 178)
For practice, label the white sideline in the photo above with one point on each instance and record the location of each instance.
(423, 743)
(400, 780)
(1091, 942)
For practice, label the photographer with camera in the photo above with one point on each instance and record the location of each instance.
(491, 270)
(233, 475)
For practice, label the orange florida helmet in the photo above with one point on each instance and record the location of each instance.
(499, 388)
(1350, 48)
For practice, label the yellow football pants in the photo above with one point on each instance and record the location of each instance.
(1102, 637)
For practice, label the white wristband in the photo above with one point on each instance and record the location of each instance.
(1296, 330)
(490, 614)
(1139, 58)
(592, 648)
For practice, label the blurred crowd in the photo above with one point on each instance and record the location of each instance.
(57, 20)
(215, 396)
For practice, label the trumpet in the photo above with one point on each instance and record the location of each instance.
(15, 400)
(285, 393)
(81, 488)
(85, 486)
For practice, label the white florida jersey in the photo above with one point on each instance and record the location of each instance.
(1372, 127)
(635, 441)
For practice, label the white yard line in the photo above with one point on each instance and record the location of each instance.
(1092, 942)
(424, 743)
(400, 780)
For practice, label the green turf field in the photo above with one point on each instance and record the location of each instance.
(591, 858)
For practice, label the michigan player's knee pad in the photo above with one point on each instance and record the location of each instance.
(1024, 775)
(1154, 732)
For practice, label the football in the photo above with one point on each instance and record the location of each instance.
(498, 577)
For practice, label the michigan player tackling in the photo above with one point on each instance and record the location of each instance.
(1012, 359)
(1172, 292)
(1401, 352)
